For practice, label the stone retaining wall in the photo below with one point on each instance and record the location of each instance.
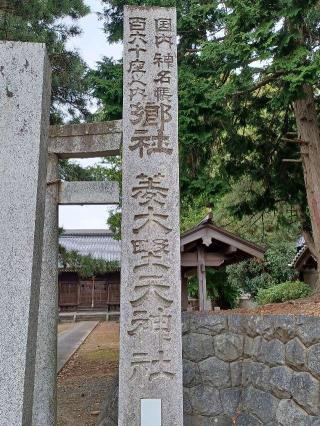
(251, 370)
(246, 371)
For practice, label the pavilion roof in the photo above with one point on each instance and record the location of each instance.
(302, 257)
(219, 244)
(222, 246)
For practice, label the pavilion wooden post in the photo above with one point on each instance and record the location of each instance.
(201, 273)
(184, 292)
(79, 293)
(92, 293)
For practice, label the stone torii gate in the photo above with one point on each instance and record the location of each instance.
(65, 142)
(30, 193)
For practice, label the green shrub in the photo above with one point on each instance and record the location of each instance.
(251, 275)
(288, 290)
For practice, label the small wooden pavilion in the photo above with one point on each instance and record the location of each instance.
(206, 245)
(306, 265)
(209, 245)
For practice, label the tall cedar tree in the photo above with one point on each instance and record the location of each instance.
(248, 78)
(45, 21)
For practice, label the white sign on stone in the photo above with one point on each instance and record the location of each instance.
(24, 123)
(150, 348)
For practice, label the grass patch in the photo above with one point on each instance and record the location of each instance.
(103, 355)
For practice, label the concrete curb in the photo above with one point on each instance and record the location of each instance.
(73, 346)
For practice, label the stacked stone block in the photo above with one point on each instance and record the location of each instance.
(246, 371)
(251, 370)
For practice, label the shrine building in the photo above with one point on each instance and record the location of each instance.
(205, 245)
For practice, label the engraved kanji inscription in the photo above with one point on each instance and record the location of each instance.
(150, 114)
(152, 289)
(154, 368)
(150, 190)
(150, 143)
(161, 367)
(163, 24)
(138, 50)
(162, 94)
(137, 27)
(163, 77)
(137, 23)
(137, 92)
(160, 324)
(164, 38)
(151, 253)
(160, 60)
(151, 219)
(137, 67)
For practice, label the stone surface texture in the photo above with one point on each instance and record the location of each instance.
(44, 405)
(86, 140)
(150, 335)
(264, 368)
(24, 111)
(104, 192)
(246, 392)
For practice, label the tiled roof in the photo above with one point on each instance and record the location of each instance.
(214, 232)
(300, 253)
(98, 243)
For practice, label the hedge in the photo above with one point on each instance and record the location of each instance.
(288, 290)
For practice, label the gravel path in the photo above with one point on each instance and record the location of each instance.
(70, 340)
(83, 384)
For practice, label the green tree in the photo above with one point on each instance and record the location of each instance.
(273, 49)
(52, 22)
(86, 266)
(106, 85)
(253, 275)
(243, 67)
(107, 169)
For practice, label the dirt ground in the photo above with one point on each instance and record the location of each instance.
(308, 306)
(83, 382)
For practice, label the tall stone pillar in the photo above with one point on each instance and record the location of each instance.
(150, 340)
(24, 120)
(44, 406)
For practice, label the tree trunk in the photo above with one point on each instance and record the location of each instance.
(308, 132)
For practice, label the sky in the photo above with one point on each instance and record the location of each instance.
(92, 43)
(92, 46)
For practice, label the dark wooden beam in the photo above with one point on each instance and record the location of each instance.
(201, 272)
(210, 259)
(184, 292)
(230, 250)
